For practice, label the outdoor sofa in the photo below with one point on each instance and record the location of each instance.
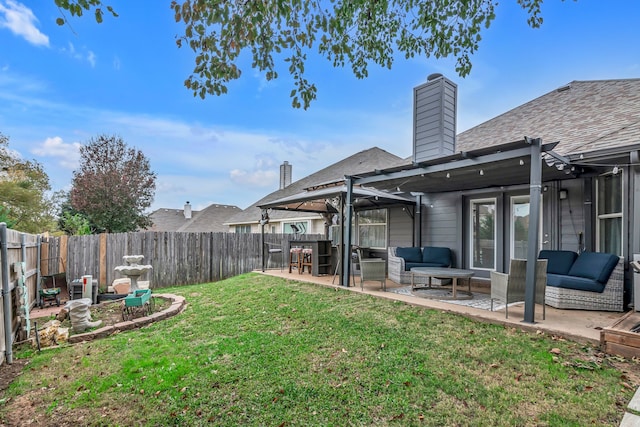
(401, 260)
(588, 281)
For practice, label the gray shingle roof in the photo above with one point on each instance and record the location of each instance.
(582, 116)
(364, 161)
(212, 218)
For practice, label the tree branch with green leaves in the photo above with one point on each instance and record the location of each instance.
(348, 33)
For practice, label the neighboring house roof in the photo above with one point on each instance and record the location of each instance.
(212, 218)
(582, 116)
(364, 161)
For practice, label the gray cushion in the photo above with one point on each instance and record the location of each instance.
(574, 282)
(410, 254)
(558, 262)
(594, 265)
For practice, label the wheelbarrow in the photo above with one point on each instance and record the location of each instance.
(49, 291)
(139, 299)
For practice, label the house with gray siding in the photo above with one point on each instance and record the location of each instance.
(566, 165)
(582, 140)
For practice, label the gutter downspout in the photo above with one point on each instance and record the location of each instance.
(417, 222)
(6, 292)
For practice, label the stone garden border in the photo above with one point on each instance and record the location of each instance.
(177, 305)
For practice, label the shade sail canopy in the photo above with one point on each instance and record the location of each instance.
(326, 199)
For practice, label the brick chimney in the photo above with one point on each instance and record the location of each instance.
(434, 118)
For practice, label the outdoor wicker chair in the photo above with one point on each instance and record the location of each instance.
(511, 287)
(372, 269)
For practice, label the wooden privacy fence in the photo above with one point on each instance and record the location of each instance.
(17, 248)
(177, 258)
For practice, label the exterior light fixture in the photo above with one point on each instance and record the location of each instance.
(521, 162)
(481, 172)
(616, 169)
(448, 175)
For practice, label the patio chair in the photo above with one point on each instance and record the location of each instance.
(511, 287)
(372, 269)
(274, 249)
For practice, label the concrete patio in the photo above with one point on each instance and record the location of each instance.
(577, 325)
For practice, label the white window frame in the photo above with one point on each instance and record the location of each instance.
(620, 214)
(385, 224)
(473, 202)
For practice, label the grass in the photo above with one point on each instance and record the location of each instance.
(258, 350)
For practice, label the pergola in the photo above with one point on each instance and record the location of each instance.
(497, 166)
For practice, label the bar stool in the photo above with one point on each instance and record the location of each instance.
(295, 258)
(307, 260)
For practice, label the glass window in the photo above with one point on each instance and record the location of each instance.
(295, 227)
(243, 228)
(519, 227)
(483, 234)
(520, 208)
(609, 212)
(372, 228)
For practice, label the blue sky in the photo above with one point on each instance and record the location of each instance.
(61, 86)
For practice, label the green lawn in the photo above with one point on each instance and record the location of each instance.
(259, 350)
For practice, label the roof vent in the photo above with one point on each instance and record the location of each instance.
(563, 88)
(433, 76)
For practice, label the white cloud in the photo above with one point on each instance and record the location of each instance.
(258, 178)
(68, 155)
(79, 54)
(21, 21)
(91, 57)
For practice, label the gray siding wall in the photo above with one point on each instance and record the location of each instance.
(434, 121)
(571, 215)
(400, 227)
(442, 223)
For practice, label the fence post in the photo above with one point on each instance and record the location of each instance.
(6, 292)
(38, 270)
(102, 279)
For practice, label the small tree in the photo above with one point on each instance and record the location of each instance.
(71, 221)
(24, 187)
(113, 187)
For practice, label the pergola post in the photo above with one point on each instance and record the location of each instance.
(346, 240)
(535, 188)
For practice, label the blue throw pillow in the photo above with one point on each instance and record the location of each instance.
(436, 255)
(594, 265)
(558, 262)
(410, 254)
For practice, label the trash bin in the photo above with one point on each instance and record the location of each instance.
(635, 267)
